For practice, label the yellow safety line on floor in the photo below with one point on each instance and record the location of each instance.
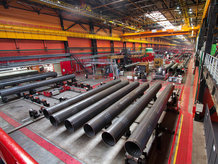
(177, 145)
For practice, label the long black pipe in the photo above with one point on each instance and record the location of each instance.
(92, 127)
(139, 138)
(173, 68)
(76, 121)
(18, 73)
(169, 66)
(116, 130)
(131, 65)
(49, 111)
(60, 116)
(15, 81)
(27, 87)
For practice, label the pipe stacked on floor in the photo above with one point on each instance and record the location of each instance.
(173, 68)
(15, 81)
(62, 115)
(139, 138)
(27, 87)
(49, 111)
(167, 67)
(76, 121)
(116, 130)
(92, 127)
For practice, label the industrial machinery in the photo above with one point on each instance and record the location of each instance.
(161, 72)
(141, 70)
(158, 60)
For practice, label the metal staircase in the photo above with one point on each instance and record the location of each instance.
(81, 64)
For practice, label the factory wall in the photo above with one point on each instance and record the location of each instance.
(18, 47)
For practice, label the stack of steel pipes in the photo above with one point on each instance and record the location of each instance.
(122, 124)
(136, 143)
(167, 67)
(172, 69)
(98, 108)
(66, 113)
(31, 86)
(16, 81)
(17, 73)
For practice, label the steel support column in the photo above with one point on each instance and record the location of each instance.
(62, 27)
(93, 41)
(111, 42)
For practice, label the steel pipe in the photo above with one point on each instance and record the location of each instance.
(47, 112)
(131, 65)
(60, 116)
(173, 68)
(18, 73)
(139, 138)
(27, 87)
(116, 130)
(92, 127)
(15, 81)
(76, 121)
(169, 66)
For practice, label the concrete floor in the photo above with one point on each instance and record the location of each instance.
(78, 145)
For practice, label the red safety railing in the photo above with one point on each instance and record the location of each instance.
(11, 152)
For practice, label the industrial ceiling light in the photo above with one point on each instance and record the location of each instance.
(177, 7)
(160, 19)
(190, 11)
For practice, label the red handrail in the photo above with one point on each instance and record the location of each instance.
(11, 152)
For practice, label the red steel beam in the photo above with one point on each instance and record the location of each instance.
(11, 152)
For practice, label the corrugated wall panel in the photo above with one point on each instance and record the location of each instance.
(103, 46)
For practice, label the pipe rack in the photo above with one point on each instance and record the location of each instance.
(15, 81)
(76, 121)
(92, 127)
(116, 130)
(139, 138)
(60, 116)
(19, 89)
(49, 111)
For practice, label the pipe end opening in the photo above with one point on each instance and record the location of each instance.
(69, 126)
(133, 149)
(89, 130)
(108, 139)
(53, 121)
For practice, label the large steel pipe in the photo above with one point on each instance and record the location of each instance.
(116, 130)
(169, 66)
(76, 121)
(131, 65)
(47, 112)
(174, 67)
(92, 127)
(60, 116)
(139, 138)
(18, 73)
(27, 87)
(15, 81)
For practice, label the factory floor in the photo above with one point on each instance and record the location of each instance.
(49, 144)
(189, 145)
